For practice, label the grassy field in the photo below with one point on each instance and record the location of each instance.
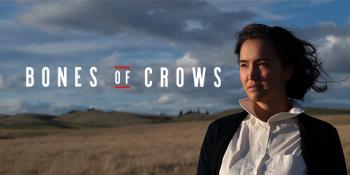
(162, 149)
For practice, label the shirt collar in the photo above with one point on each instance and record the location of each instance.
(293, 112)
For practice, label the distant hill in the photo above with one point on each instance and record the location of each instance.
(97, 118)
(28, 121)
(225, 113)
(326, 111)
(308, 110)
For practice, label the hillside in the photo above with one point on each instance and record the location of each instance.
(30, 121)
(325, 111)
(97, 118)
(308, 110)
(100, 119)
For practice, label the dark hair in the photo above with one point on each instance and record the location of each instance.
(300, 54)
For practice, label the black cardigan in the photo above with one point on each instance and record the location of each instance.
(320, 145)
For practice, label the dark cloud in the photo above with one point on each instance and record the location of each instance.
(104, 33)
(332, 43)
(321, 30)
(226, 95)
(175, 20)
(16, 105)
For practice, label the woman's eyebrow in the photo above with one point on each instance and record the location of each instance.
(242, 61)
(257, 60)
(262, 59)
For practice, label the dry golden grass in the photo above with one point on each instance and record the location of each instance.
(145, 149)
(168, 148)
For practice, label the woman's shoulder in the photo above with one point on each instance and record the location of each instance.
(224, 126)
(228, 120)
(316, 128)
(313, 122)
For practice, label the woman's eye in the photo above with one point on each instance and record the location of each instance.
(263, 65)
(243, 65)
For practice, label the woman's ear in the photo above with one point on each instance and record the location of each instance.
(288, 72)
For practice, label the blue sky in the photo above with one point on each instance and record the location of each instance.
(169, 33)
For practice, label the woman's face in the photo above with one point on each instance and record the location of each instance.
(261, 72)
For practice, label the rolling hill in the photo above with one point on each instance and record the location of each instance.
(29, 121)
(97, 118)
(100, 119)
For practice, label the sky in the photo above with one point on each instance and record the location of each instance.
(154, 33)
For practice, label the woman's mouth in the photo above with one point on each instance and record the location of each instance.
(253, 87)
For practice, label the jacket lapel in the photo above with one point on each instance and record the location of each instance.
(306, 142)
(226, 135)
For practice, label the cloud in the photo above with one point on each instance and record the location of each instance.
(10, 106)
(335, 52)
(174, 20)
(321, 30)
(229, 91)
(166, 99)
(337, 95)
(63, 47)
(3, 84)
(192, 25)
(332, 43)
(187, 62)
(345, 84)
(144, 33)
(17, 105)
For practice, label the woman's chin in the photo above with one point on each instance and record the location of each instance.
(255, 97)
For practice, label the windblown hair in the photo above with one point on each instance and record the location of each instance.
(300, 54)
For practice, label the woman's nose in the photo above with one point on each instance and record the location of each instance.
(253, 73)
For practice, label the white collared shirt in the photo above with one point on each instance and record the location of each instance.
(271, 147)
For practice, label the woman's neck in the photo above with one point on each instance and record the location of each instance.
(264, 110)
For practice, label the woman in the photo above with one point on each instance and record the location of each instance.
(273, 135)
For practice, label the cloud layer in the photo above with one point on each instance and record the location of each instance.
(171, 33)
